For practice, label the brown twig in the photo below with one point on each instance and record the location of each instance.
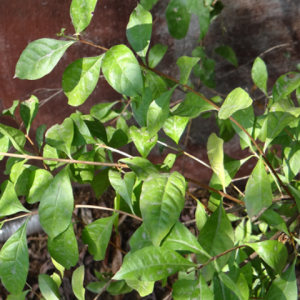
(116, 119)
(103, 289)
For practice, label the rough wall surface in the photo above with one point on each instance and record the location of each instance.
(250, 27)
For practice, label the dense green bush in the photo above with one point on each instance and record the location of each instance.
(241, 262)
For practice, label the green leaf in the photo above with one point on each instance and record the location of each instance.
(57, 203)
(9, 202)
(140, 108)
(216, 156)
(156, 54)
(77, 283)
(11, 111)
(200, 215)
(273, 253)
(192, 106)
(148, 4)
(39, 135)
(4, 144)
(161, 203)
(101, 110)
(16, 137)
(100, 182)
(123, 187)
(273, 219)
(20, 296)
(217, 236)
(28, 111)
(238, 99)
(226, 130)
(82, 135)
(50, 152)
(118, 139)
(284, 287)
(203, 12)
(259, 74)
(185, 290)
(115, 288)
(80, 79)
(64, 249)
(206, 72)
(48, 287)
(178, 18)
(258, 194)
(291, 160)
(181, 239)
(81, 12)
(97, 235)
(140, 166)
(285, 84)
(83, 173)
(227, 53)
(199, 52)
(40, 57)
(151, 264)
(144, 288)
(97, 130)
(14, 261)
(142, 140)
(139, 30)
(59, 267)
(186, 65)
(175, 126)
(122, 71)
(61, 136)
(158, 112)
(140, 239)
(156, 85)
(56, 279)
(39, 181)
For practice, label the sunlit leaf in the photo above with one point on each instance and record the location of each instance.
(11, 111)
(156, 85)
(156, 54)
(161, 202)
(259, 74)
(101, 110)
(175, 126)
(80, 79)
(16, 137)
(40, 57)
(285, 84)
(57, 203)
(20, 296)
(144, 288)
(77, 283)
(186, 65)
(151, 264)
(272, 218)
(82, 135)
(48, 287)
(200, 215)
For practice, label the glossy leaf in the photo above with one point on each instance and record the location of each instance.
(101, 110)
(140, 166)
(50, 152)
(57, 203)
(178, 18)
(258, 194)
(259, 74)
(77, 283)
(40, 57)
(142, 140)
(39, 135)
(156, 85)
(161, 202)
(11, 111)
(151, 264)
(175, 126)
(100, 182)
(139, 30)
(122, 71)
(140, 239)
(158, 112)
(273, 219)
(39, 181)
(97, 129)
(123, 187)
(28, 111)
(80, 79)
(4, 144)
(144, 288)
(291, 160)
(156, 54)
(186, 65)
(64, 249)
(14, 261)
(81, 12)
(97, 235)
(61, 136)
(192, 106)
(82, 134)
(16, 137)
(203, 13)
(48, 287)
(227, 53)
(181, 239)
(273, 253)
(118, 139)
(200, 215)
(238, 99)
(216, 156)
(285, 84)
(217, 235)
(9, 202)
(20, 296)
(284, 287)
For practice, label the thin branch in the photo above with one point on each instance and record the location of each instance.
(91, 44)
(214, 190)
(104, 289)
(114, 150)
(69, 161)
(116, 119)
